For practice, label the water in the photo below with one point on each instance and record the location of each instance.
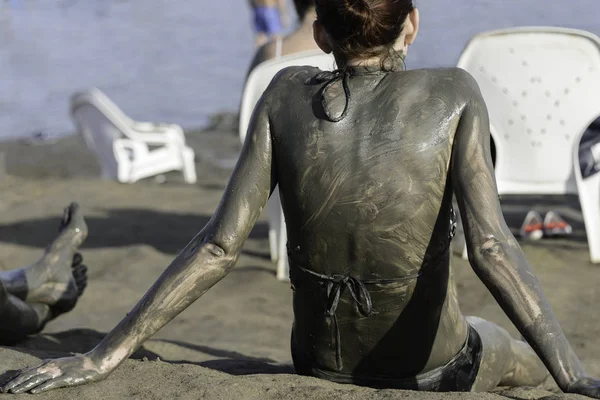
(182, 60)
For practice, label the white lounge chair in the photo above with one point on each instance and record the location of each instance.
(128, 150)
(257, 82)
(542, 89)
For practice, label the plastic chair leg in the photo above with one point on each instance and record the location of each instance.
(189, 167)
(283, 267)
(589, 197)
(274, 210)
(124, 169)
(459, 243)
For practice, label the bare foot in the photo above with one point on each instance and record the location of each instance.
(72, 223)
(75, 288)
(58, 278)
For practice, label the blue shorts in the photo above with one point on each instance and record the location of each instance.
(267, 20)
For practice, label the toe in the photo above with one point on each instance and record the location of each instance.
(80, 275)
(77, 259)
(73, 207)
(81, 282)
(80, 271)
(66, 218)
(81, 288)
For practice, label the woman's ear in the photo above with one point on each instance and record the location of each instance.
(411, 27)
(321, 37)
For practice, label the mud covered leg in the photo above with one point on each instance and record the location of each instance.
(505, 361)
(19, 319)
(52, 280)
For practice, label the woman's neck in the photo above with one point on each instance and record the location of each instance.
(393, 61)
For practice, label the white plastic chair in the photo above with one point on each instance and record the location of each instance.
(122, 145)
(257, 82)
(542, 89)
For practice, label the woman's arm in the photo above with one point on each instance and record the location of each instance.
(494, 253)
(210, 255)
(202, 263)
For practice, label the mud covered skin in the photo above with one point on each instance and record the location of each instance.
(33, 295)
(365, 198)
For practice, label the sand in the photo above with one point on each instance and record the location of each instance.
(234, 342)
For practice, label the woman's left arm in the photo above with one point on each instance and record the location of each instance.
(202, 263)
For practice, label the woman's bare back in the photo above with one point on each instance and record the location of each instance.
(369, 198)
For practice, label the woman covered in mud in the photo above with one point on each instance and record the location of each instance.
(367, 159)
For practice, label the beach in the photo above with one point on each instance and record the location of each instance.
(233, 343)
(184, 62)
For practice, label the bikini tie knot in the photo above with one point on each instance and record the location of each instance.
(330, 77)
(335, 287)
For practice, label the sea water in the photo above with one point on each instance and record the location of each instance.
(183, 60)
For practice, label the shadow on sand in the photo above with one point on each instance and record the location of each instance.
(63, 344)
(166, 232)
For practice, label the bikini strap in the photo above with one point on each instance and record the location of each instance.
(330, 77)
(335, 286)
(343, 75)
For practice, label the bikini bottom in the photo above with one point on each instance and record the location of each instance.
(458, 375)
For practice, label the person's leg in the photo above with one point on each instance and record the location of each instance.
(261, 39)
(260, 26)
(505, 361)
(50, 280)
(19, 318)
(272, 23)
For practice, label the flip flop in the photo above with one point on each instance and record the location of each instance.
(555, 225)
(533, 226)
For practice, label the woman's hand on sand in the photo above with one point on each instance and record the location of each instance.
(53, 374)
(586, 386)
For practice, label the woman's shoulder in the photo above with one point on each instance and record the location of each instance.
(452, 75)
(453, 81)
(288, 80)
(293, 75)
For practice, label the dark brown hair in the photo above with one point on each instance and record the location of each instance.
(302, 7)
(363, 28)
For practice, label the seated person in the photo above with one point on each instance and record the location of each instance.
(589, 150)
(298, 41)
(371, 156)
(33, 295)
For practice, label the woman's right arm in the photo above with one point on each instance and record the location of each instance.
(494, 253)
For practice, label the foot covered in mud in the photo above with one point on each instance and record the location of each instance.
(73, 223)
(59, 277)
(75, 287)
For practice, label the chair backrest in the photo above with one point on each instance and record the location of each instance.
(260, 78)
(108, 105)
(542, 89)
(99, 129)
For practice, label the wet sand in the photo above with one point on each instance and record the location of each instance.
(234, 342)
